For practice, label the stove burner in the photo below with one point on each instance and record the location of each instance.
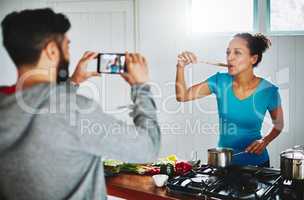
(233, 183)
(244, 184)
(292, 190)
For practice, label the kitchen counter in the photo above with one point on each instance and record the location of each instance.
(131, 186)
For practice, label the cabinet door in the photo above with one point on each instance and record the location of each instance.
(102, 26)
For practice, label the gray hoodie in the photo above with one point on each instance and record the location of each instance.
(52, 142)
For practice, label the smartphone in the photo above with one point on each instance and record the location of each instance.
(111, 63)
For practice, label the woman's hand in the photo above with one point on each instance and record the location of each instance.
(186, 58)
(81, 74)
(257, 146)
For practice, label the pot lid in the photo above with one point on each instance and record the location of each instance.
(299, 147)
(293, 154)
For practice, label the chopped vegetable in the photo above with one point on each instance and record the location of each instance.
(171, 159)
(168, 165)
(112, 163)
(167, 169)
(152, 171)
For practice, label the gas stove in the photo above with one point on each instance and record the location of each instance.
(290, 190)
(236, 183)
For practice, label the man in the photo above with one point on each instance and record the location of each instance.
(52, 140)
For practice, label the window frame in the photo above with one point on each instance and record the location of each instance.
(255, 24)
(268, 25)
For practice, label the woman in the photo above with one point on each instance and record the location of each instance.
(242, 99)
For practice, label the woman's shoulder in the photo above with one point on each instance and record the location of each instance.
(268, 85)
(268, 89)
(218, 81)
(223, 76)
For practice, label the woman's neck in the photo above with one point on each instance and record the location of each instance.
(245, 79)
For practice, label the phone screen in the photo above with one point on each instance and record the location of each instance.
(111, 63)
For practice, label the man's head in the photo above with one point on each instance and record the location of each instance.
(32, 35)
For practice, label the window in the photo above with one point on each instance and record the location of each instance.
(218, 16)
(285, 16)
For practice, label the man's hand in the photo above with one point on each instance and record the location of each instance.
(137, 69)
(81, 74)
(257, 147)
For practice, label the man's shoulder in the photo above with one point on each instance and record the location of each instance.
(59, 96)
(84, 102)
(69, 92)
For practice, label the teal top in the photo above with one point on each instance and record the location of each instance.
(240, 120)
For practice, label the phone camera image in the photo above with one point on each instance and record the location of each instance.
(111, 63)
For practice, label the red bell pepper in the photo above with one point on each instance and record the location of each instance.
(182, 167)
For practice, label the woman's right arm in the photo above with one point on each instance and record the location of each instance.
(182, 92)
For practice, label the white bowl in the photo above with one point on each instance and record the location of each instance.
(160, 179)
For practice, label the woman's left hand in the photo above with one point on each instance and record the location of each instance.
(257, 147)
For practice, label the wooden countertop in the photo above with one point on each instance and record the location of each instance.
(138, 187)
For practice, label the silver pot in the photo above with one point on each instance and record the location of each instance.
(219, 157)
(292, 164)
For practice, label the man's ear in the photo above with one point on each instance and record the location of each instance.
(254, 59)
(52, 51)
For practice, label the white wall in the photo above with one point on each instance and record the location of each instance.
(162, 31)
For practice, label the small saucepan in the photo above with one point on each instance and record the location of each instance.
(221, 157)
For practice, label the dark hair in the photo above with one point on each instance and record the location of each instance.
(257, 44)
(26, 33)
